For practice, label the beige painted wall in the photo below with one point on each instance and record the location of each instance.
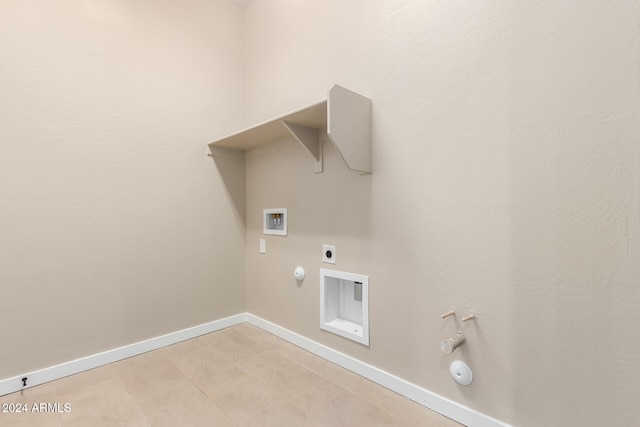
(506, 182)
(114, 225)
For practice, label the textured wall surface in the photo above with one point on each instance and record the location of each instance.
(114, 225)
(506, 181)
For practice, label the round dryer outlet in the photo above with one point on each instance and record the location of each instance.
(329, 254)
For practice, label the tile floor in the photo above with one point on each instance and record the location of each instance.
(240, 376)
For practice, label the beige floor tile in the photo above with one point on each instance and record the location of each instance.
(315, 423)
(264, 337)
(72, 383)
(249, 330)
(185, 406)
(30, 419)
(282, 374)
(21, 411)
(235, 345)
(329, 370)
(149, 375)
(107, 404)
(17, 409)
(176, 350)
(207, 367)
(249, 402)
(334, 405)
(401, 407)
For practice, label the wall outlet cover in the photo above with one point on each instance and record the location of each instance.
(329, 254)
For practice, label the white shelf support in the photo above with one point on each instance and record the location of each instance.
(349, 127)
(309, 138)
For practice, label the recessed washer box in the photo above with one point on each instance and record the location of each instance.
(344, 304)
(274, 221)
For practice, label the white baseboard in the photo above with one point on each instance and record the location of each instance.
(442, 405)
(11, 385)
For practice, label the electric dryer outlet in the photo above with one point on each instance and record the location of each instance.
(329, 254)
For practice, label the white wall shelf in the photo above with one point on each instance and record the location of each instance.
(345, 115)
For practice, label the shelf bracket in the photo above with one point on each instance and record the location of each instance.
(349, 127)
(226, 152)
(309, 138)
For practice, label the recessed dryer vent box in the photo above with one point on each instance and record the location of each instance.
(274, 221)
(344, 304)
